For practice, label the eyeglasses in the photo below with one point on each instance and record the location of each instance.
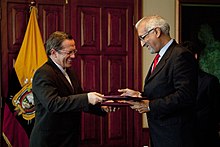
(143, 36)
(69, 53)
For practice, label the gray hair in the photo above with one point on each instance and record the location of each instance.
(154, 21)
(55, 41)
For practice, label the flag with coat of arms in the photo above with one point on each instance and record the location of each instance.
(31, 56)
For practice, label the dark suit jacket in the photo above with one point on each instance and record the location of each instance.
(208, 111)
(58, 108)
(171, 89)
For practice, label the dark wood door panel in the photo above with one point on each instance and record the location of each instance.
(52, 18)
(114, 30)
(92, 130)
(89, 28)
(16, 13)
(90, 75)
(114, 76)
(119, 128)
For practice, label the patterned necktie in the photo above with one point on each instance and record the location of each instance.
(155, 62)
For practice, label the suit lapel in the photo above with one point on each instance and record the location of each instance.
(161, 63)
(60, 75)
(64, 79)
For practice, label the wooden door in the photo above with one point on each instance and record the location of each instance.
(103, 30)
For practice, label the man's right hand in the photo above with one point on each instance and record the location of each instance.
(129, 92)
(94, 98)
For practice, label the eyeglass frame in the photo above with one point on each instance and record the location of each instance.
(142, 37)
(69, 53)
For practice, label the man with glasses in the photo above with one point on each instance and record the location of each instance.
(58, 96)
(170, 87)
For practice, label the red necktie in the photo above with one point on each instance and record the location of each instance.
(155, 62)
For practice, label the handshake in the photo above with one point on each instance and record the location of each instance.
(141, 106)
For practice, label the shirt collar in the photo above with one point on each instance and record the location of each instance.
(60, 67)
(164, 49)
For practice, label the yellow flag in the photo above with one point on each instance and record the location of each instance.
(31, 56)
(32, 53)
